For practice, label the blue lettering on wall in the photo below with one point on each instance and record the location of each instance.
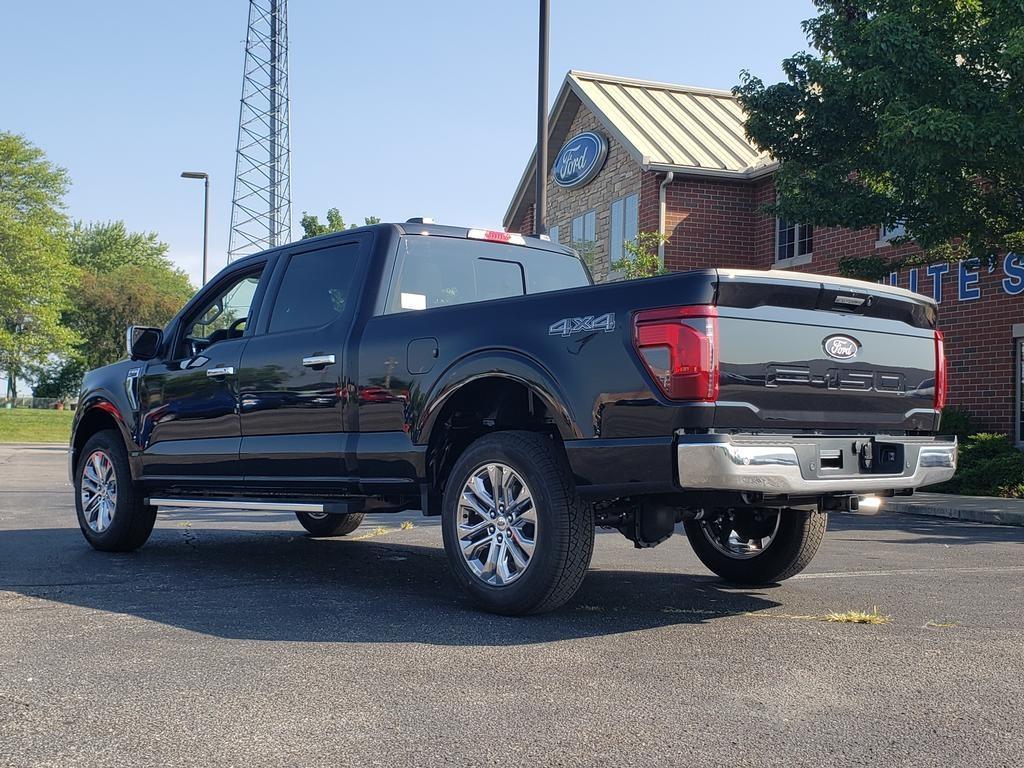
(894, 278)
(936, 271)
(968, 289)
(912, 276)
(1013, 283)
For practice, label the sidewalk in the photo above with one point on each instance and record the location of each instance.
(975, 509)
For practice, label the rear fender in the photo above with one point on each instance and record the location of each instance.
(504, 364)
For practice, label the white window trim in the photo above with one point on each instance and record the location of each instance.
(791, 261)
(886, 239)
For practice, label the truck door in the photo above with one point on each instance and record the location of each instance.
(189, 401)
(293, 385)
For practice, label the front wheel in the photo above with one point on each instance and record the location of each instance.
(112, 512)
(517, 534)
(756, 547)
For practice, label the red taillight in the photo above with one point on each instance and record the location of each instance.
(679, 347)
(940, 371)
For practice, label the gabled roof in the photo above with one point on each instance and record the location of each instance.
(664, 127)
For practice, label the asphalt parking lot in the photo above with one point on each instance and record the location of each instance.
(235, 639)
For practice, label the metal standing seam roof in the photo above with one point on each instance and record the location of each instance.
(664, 127)
(672, 125)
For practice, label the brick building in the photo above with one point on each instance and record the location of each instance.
(674, 159)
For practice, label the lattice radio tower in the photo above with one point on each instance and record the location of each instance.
(261, 208)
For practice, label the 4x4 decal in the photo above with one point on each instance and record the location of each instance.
(567, 326)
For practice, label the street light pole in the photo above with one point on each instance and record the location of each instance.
(206, 210)
(540, 206)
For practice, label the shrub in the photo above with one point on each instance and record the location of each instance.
(956, 421)
(989, 465)
(641, 259)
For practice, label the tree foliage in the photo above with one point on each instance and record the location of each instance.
(106, 303)
(103, 247)
(34, 269)
(313, 227)
(125, 278)
(904, 112)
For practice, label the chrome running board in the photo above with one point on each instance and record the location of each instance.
(262, 505)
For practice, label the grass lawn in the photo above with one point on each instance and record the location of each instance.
(29, 425)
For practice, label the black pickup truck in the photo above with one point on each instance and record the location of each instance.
(480, 376)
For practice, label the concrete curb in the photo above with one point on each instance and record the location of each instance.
(35, 446)
(964, 509)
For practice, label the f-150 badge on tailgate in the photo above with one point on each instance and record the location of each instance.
(841, 347)
(567, 326)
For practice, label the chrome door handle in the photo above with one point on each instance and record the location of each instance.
(227, 370)
(315, 360)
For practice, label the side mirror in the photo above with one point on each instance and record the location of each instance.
(143, 342)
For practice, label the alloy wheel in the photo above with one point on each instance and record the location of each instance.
(497, 524)
(98, 491)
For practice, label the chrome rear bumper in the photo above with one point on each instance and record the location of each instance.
(791, 465)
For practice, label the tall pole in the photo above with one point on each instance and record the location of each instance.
(273, 124)
(206, 222)
(206, 211)
(540, 208)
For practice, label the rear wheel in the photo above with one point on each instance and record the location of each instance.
(112, 512)
(757, 547)
(325, 524)
(517, 535)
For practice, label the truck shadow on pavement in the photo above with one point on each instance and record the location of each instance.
(280, 586)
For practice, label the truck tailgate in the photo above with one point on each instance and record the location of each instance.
(808, 352)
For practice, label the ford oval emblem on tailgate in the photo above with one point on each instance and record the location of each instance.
(841, 347)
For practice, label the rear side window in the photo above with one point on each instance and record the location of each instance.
(444, 271)
(316, 288)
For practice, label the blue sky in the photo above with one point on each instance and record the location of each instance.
(398, 109)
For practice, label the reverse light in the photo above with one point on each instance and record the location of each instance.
(679, 348)
(941, 375)
(497, 236)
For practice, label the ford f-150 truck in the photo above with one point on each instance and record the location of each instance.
(481, 376)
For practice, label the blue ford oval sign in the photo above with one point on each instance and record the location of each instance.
(580, 159)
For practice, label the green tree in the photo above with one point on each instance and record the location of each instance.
(60, 380)
(103, 247)
(34, 268)
(106, 303)
(124, 278)
(904, 112)
(641, 259)
(313, 227)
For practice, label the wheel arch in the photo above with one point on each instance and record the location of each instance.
(95, 415)
(489, 392)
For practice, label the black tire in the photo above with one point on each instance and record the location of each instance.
(319, 524)
(132, 519)
(563, 532)
(793, 546)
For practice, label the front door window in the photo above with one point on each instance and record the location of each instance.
(223, 316)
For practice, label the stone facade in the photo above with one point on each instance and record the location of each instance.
(619, 177)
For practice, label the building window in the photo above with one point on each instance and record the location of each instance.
(885, 234)
(584, 230)
(794, 243)
(553, 233)
(625, 221)
(1020, 391)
